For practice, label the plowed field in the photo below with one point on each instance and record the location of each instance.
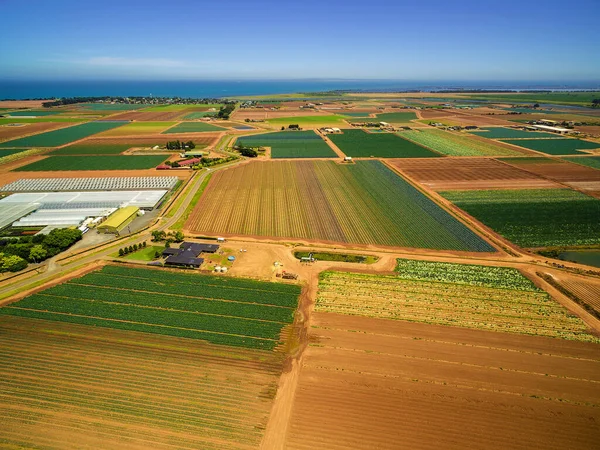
(154, 139)
(564, 172)
(149, 116)
(27, 129)
(66, 385)
(471, 173)
(375, 383)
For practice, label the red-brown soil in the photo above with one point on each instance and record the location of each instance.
(21, 103)
(471, 117)
(558, 170)
(372, 383)
(263, 114)
(435, 113)
(468, 173)
(154, 139)
(26, 129)
(74, 386)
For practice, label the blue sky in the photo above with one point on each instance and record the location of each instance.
(176, 39)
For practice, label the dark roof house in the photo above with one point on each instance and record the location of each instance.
(187, 254)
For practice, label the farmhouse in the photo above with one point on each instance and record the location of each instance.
(188, 254)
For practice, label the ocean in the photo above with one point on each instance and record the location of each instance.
(230, 88)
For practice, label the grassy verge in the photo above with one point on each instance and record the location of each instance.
(178, 226)
(341, 257)
(144, 254)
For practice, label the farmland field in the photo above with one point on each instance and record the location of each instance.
(377, 383)
(308, 121)
(12, 132)
(290, 144)
(144, 116)
(468, 296)
(511, 133)
(587, 290)
(191, 107)
(108, 106)
(556, 146)
(397, 117)
(139, 128)
(229, 311)
(193, 127)
(588, 161)
(63, 136)
(33, 113)
(453, 144)
(10, 151)
(199, 115)
(88, 149)
(94, 162)
(66, 385)
(469, 173)
(204, 139)
(534, 218)
(361, 203)
(360, 144)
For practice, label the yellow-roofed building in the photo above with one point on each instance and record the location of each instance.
(118, 220)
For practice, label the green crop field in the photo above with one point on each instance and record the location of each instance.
(61, 119)
(11, 151)
(463, 295)
(556, 146)
(354, 114)
(92, 149)
(511, 133)
(220, 310)
(94, 162)
(199, 115)
(290, 144)
(63, 136)
(197, 107)
(534, 217)
(360, 144)
(193, 127)
(33, 113)
(589, 161)
(455, 144)
(361, 203)
(140, 128)
(565, 98)
(397, 117)
(308, 121)
(109, 106)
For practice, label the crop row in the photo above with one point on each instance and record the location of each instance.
(454, 144)
(535, 218)
(445, 303)
(360, 144)
(363, 203)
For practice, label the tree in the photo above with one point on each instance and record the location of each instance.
(249, 152)
(135, 247)
(121, 252)
(144, 244)
(156, 254)
(178, 236)
(158, 235)
(37, 253)
(596, 103)
(282, 128)
(130, 248)
(167, 244)
(12, 263)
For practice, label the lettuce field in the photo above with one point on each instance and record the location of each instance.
(360, 144)
(290, 144)
(228, 311)
(534, 217)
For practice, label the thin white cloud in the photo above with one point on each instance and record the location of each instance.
(134, 62)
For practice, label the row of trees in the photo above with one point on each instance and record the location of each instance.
(168, 238)
(179, 145)
(18, 252)
(226, 110)
(131, 249)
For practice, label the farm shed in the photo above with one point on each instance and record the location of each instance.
(189, 162)
(184, 259)
(558, 130)
(118, 220)
(199, 248)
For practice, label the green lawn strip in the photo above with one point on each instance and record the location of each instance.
(534, 217)
(91, 149)
(144, 254)
(556, 146)
(193, 127)
(360, 144)
(177, 226)
(5, 121)
(94, 162)
(199, 115)
(62, 136)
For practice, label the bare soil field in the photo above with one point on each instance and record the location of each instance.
(207, 139)
(141, 116)
(470, 117)
(373, 383)
(469, 173)
(555, 169)
(21, 103)
(257, 114)
(586, 289)
(26, 129)
(74, 386)
(435, 113)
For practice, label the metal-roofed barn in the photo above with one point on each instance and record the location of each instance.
(118, 220)
(90, 184)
